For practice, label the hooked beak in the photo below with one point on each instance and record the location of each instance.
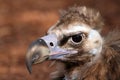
(37, 53)
(44, 49)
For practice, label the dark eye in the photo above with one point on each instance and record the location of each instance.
(77, 38)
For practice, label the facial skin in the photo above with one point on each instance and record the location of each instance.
(63, 43)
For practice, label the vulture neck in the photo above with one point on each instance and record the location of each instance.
(105, 68)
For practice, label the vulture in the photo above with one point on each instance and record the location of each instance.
(75, 44)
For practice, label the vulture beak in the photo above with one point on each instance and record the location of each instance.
(45, 48)
(37, 53)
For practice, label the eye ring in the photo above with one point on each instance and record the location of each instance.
(77, 39)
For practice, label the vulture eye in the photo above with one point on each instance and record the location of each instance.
(77, 38)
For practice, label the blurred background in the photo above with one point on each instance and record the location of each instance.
(22, 21)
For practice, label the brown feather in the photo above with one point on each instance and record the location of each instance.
(84, 15)
(106, 66)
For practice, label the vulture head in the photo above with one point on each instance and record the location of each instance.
(74, 41)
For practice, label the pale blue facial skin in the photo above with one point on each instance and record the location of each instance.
(55, 51)
(93, 36)
(49, 44)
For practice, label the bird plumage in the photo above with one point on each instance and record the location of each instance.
(107, 66)
(92, 57)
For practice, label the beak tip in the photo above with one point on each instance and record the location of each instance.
(29, 67)
(36, 53)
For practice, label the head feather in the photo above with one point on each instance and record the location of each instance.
(82, 15)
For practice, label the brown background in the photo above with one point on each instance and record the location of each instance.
(22, 21)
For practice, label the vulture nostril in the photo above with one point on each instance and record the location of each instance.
(51, 44)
